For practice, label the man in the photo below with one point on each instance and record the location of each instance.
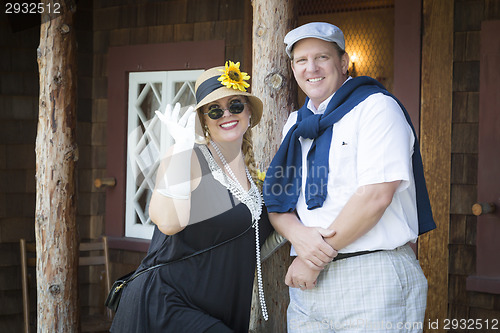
(349, 162)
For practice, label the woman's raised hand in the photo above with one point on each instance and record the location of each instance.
(181, 129)
(174, 176)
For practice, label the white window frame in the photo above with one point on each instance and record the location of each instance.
(159, 141)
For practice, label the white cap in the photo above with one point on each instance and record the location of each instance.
(321, 30)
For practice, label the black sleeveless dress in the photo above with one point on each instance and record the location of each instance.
(193, 294)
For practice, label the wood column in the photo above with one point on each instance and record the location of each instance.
(272, 81)
(56, 156)
(435, 138)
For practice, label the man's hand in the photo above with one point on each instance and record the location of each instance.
(299, 275)
(308, 242)
(310, 246)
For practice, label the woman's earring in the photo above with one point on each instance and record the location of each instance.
(249, 121)
(207, 132)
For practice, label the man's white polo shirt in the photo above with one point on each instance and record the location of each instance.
(371, 144)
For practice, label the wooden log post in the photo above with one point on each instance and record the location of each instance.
(435, 138)
(56, 156)
(272, 81)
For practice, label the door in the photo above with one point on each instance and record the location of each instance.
(487, 278)
(126, 228)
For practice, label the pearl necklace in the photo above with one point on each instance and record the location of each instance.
(228, 168)
(255, 217)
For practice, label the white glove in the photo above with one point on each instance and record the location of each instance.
(181, 130)
(175, 182)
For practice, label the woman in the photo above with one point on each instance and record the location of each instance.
(209, 216)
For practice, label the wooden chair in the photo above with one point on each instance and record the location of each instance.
(91, 254)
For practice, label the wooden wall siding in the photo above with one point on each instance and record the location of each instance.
(164, 22)
(18, 114)
(468, 16)
(435, 136)
(91, 138)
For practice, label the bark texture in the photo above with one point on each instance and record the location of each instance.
(436, 147)
(272, 81)
(56, 156)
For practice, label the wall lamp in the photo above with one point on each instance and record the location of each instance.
(352, 69)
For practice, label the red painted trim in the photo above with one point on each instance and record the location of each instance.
(484, 284)
(141, 58)
(128, 243)
(407, 56)
(407, 60)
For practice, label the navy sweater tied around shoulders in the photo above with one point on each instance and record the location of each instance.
(284, 177)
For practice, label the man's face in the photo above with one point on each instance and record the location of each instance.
(318, 69)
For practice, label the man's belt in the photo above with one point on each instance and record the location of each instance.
(341, 256)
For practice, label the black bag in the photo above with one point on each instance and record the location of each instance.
(115, 292)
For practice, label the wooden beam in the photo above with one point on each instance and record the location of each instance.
(56, 156)
(273, 82)
(435, 136)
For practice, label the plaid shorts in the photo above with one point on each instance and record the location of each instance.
(384, 291)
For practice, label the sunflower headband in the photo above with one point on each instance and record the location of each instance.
(232, 77)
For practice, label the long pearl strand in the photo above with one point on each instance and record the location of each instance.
(255, 225)
(226, 165)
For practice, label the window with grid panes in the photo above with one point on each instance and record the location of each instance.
(148, 139)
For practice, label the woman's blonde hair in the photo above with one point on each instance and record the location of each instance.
(247, 149)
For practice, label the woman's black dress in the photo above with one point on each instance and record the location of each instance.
(193, 294)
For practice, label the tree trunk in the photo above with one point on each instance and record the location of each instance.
(56, 155)
(273, 82)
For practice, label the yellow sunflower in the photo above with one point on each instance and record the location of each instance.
(233, 77)
(261, 175)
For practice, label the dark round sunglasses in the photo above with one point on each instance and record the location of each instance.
(234, 108)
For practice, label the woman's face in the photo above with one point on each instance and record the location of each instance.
(230, 126)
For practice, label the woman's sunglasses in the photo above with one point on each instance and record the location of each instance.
(234, 108)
